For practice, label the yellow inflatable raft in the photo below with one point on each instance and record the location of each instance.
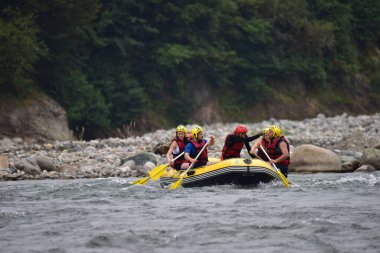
(237, 171)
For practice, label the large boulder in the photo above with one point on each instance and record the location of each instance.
(40, 119)
(371, 157)
(310, 158)
(29, 165)
(45, 163)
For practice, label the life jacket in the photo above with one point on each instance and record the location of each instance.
(198, 146)
(274, 150)
(233, 151)
(181, 145)
(260, 152)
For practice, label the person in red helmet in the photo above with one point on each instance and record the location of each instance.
(235, 142)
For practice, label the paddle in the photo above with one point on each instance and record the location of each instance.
(177, 184)
(156, 173)
(283, 178)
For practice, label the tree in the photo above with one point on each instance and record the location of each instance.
(20, 49)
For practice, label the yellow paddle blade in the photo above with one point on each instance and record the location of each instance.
(284, 180)
(141, 181)
(157, 172)
(176, 185)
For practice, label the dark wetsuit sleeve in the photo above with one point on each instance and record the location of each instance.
(247, 140)
(248, 148)
(232, 139)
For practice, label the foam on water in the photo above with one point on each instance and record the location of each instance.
(349, 180)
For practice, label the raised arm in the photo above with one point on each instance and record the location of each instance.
(253, 149)
(249, 139)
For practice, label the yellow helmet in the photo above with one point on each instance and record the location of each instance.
(277, 132)
(266, 130)
(181, 128)
(195, 131)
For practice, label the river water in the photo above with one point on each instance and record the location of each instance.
(319, 213)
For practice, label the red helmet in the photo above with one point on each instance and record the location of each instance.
(240, 129)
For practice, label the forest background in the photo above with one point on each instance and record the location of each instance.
(155, 63)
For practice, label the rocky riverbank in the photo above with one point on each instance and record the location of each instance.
(355, 140)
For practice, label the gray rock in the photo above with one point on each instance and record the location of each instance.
(321, 116)
(149, 166)
(141, 158)
(130, 163)
(68, 169)
(310, 158)
(5, 172)
(365, 168)
(141, 170)
(29, 166)
(86, 169)
(371, 157)
(45, 163)
(131, 149)
(124, 169)
(90, 150)
(6, 144)
(41, 118)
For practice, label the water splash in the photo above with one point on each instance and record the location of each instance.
(13, 213)
(371, 180)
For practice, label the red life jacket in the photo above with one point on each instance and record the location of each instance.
(231, 152)
(198, 146)
(260, 153)
(181, 145)
(274, 150)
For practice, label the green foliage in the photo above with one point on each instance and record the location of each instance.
(258, 91)
(127, 100)
(85, 104)
(20, 48)
(171, 55)
(366, 22)
(113, 62)
(375, 89)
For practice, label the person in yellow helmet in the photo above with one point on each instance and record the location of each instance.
(278, 150)
(176, 148)
(195, 145)
(265, 141)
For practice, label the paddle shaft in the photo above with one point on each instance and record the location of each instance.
(145, 179)
(274, 165)
(158, 171)
(178, 156)
(192, 165)
(284, 180)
